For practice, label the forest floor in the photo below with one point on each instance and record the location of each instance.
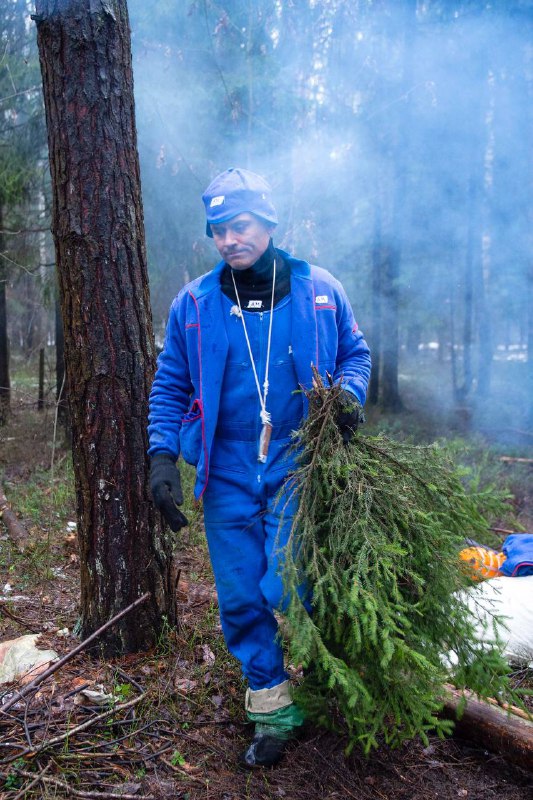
(175, 724)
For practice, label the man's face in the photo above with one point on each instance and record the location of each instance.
(242, 240)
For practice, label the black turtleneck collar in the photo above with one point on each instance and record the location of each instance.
(261, 271)
(255, 282)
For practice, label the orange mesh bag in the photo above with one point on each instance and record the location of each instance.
(481, 563)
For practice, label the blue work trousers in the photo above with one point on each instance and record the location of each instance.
(242, 520)
(247, 525)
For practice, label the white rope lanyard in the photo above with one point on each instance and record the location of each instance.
(265, 415)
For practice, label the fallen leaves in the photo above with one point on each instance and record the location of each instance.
(185, 685)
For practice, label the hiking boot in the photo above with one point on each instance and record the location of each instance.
(277, 720)
(265, 751)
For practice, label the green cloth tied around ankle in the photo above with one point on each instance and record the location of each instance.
(280, 723)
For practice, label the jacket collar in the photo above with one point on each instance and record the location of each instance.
(299, 269)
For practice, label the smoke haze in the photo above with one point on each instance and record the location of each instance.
(388, 130)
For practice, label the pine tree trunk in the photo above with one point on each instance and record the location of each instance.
(61, 378)
(97, 223)
(390, 394)
(483, 288)
(5, 391)
(30, 318)
(468, 295)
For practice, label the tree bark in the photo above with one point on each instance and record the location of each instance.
(5, 390)
(97, 223)
(61, 378)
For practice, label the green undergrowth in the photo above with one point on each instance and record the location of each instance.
(43, 499)
(46, 497)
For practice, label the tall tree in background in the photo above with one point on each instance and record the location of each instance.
(20, 142)
(528, 120)
(404, 29)
(5, 388)
(97, 223)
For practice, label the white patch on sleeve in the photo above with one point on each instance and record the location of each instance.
(320, 299)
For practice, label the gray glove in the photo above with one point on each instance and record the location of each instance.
(165, 485)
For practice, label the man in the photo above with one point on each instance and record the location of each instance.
(240, 344)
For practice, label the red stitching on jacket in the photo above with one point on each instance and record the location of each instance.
(522, 564)
(196, 406)
(316, 334)
(200, 401)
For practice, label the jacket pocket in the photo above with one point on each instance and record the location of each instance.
(191, 434)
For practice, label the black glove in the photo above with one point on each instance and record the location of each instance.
(350, 415)
(165, 485)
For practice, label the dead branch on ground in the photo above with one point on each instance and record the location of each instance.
(70, 655)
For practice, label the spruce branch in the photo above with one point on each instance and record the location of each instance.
(375, 540)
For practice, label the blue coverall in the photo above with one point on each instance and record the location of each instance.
(204, 405)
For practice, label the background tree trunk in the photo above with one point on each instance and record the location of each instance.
(40, 396)
(97, 223)
(484, 263)
(375, 319)
(390, 393)
(5, 391)
(530, 342)
(390, 345)
(463, 392)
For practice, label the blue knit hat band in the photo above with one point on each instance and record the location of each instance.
(237, 191)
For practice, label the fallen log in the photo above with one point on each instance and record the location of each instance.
(492, 727)
(512, 460)
(16, 531)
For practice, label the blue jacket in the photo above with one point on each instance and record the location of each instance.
(518, 549)
(185, 395)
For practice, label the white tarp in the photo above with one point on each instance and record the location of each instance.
(511, 598)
